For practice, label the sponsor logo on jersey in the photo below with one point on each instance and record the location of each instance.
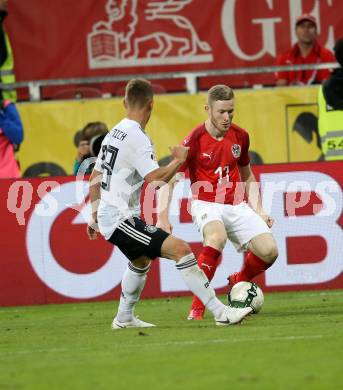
(208, 155)
(236, 150)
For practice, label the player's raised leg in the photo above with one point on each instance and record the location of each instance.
(214, 241)
(197, 282)
(261, 255)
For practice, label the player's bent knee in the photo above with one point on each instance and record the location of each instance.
(272, 254)
(215, 235)
(141, 262)
(275, 253)
(182, 249)
(175, 248)
(216, 241)
(268, 253)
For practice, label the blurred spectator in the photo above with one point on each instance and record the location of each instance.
(306, 51)
(6, 57)
(11, 136)
(87, 134)
(330, 102)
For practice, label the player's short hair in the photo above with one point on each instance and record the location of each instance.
(338, 49)
(138, 93)
(219, 92)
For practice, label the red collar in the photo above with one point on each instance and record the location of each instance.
(315, 50)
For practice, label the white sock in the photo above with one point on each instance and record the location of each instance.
(132, 285)
(198, 283)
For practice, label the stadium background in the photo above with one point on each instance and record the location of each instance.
(288, 116)
(281, 122)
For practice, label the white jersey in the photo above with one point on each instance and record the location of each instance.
(125, 158)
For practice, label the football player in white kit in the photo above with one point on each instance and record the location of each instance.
(125, 161)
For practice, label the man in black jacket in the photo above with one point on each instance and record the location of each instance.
(330, 104)
(333, 87)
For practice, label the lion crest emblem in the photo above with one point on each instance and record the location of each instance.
(138, 33)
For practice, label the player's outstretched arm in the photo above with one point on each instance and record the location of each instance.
(165, 195)
(94, 195)
(163, 175)
(253, 193)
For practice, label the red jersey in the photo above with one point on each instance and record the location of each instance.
(293, 57)
(213, 164)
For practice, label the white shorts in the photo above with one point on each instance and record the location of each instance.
(241, 222)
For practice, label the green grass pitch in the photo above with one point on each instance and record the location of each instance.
(296, 342)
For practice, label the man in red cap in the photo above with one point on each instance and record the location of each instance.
(306, 51)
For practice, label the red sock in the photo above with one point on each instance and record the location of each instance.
(252, 267)
(208, 262)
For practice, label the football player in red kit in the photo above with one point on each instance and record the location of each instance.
(218, 164)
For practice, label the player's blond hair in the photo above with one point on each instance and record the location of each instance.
(138, 93)
(219, 92)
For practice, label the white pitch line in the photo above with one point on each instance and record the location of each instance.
(247, 339)
(29, 351)
(323, 293)
(171, 343)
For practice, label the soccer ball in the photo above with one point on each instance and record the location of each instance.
(244, 294)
